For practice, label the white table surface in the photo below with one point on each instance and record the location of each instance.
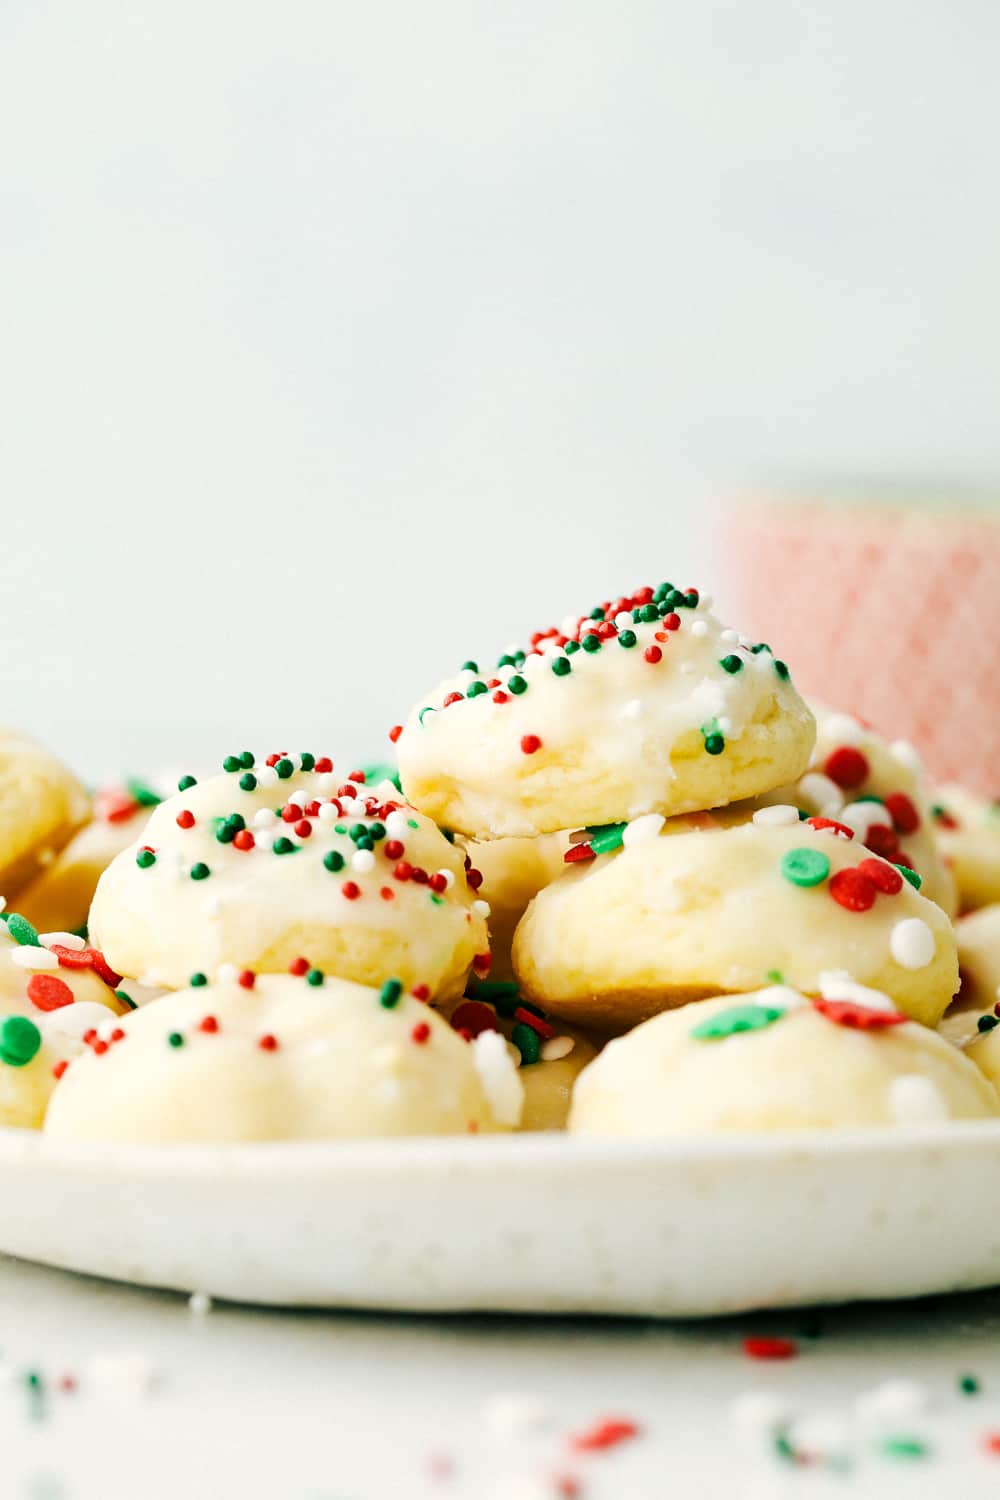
(317, 1406)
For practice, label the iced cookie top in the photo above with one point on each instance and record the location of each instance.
(647, 703)
(283, 857)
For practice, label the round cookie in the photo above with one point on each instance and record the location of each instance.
(61, 894)
(278, 1057)
(549, 1054)
(677, 916)
(773, 1060)
(978, 938)
(55, 999)
(647, 704)
(514, 871)
(877, 789)
(968, 835)
(265, 863)
(41, 806)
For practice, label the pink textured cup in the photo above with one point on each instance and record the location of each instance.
(885, 609)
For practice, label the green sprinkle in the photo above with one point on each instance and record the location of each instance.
(494, 990)
(760, 646)
(248, 782)
(736, 1019)
(902, 1445)
(423, 711)
(307, 761)
(571, 647)
(21, 930)
(412, 823)
(911, 875)
(506, 661)
(333, 861)
(145, 858)
(125, 999)
(527, 1042)
(141, 793)
(517, 685)
(246, 759)
(20, 1039)
(390, 993)
(476, 690)
(284, 768)
(232, 763)
(714, 743)
(805, 866)
(774, 976)
(782, 670)
(436, 900)
(315, 977)
(561, 666)
(470, 666)
(175, 1039)
(783, 1447)
(968, 1385)
(731, 664)
(381, 771)
(200, 871)
(185, 782)
(627, 638)
(591, 643)
(607, 837)
(376, 831)
(284, 846)
(197, 980)
(647, 613)
(987, 1023)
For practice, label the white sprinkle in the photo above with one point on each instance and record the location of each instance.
(266, 776)
(781, 995)
(200, 1303)
(62, 940)
(843, 729)
(3, 903)
(481, 909)
(891, 1401)
(227, 973)
(729, 637)
(264, 817)
(912, 944)
(362, 861)
(725, 724)
(623, 620)
(698, 628)
(326, 783)
(449, 880)
(632, 709)
(569, 625)
(73, 1020)
(641, 830)
(821, 792)
(864, 816)
(780, 816)
(907, 755)
(397, 825)
(300, 797)
(837, 984)
(508, 1417)
(915, 1100)
(30, 957)
(755, 1413)
(264, 838)
(557, 1047)
(497, 1074)
(328, 813)
(214, 906)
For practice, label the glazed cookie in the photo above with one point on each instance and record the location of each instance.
(56, 997)
(968, 835)
(773, 1060)
(514, 871)
(978, 937)
(268, 862)
(41, 806)
(877, 789)
(61, 893)
(677, 916)
(647, 704)
(549, 1054)
(277, 1057)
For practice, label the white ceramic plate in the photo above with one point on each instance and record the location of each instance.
(522, 1223)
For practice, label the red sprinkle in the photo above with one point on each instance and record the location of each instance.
(886, 879)
(247, 978)
(881, 839)
(761, 1347)
(48, 992)
(268, 1043)
(59, 1068)
(854, 890)
(500, 696)
(303, 828)
(351, 890)
(530, 743)
(358, 776)
(394, 734)
(474, 1017)
(653, 654)
(86, 958)
(244, 840)
(208, 1024)
(528, 1018)
(991, 1440)
(671, 622)
(290, 813)
(420, 1033)
(115, 805)
(394, 849)
(905, 817)
(858, 1017)
(387, 894)
(325, 765)
(578, 852)
(438, 883)
(846, 766)
(100, 1047)
(474, 878)
(482, 962)
(840, 829)
(421, 992)
(117, 1035)
(607, 1433)
(185, 819)
(299, 966)
(452, 698)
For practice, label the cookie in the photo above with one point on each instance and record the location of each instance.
(668, 917)
(968, 835)
(775, 1060)
(647, 704)
(513, 871)
(283, 1057)
(270, 862)
(42, 804)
